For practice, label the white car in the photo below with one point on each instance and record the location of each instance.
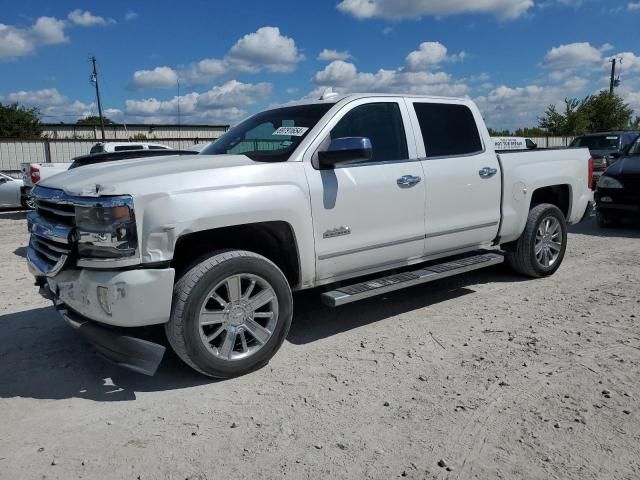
(400, 190)
(11, 191)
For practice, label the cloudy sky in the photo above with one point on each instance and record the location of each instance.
(217, 61)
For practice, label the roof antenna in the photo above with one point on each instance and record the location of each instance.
(328, 93)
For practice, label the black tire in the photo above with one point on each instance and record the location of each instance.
(606, 221)
(189, 294)
(522, 257)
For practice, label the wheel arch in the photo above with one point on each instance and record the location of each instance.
(275, 240)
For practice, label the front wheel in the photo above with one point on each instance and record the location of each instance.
(540, 249)
(230, 313)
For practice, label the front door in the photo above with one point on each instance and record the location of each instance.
(368, 215)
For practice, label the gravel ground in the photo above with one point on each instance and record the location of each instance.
(488, 374)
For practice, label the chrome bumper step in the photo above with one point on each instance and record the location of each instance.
(390, 283)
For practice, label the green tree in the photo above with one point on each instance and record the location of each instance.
(606, 112)
(531, 132)
(499, 133)
(635, 124)
(595, 113)
(19, 122)
(94, 120)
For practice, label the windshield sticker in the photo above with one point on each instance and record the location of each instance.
(291, 131)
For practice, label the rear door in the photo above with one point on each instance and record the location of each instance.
(462, 176)
(369, 215)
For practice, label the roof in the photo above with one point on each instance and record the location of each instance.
(356, 96)
(612, 132)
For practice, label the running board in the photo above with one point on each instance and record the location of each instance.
(390, 283)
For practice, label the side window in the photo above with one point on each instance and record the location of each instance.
(382, 124)
(447, 129)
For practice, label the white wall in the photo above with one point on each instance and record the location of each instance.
(15, 152)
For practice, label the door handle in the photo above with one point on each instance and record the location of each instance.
(407, 181)
(487, 172)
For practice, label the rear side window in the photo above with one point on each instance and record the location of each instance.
(96, 149)
(128, 147)
(157, 147)
(447, 129)
(382, 124)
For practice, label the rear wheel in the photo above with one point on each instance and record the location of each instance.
(230, 314)
(540, 249)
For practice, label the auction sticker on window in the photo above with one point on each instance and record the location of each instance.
(291, 131)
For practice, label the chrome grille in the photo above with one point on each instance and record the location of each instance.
(50, 245)
(58, 212)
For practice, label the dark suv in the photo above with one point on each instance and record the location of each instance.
(605, 147)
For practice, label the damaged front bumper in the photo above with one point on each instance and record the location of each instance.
(100, 304)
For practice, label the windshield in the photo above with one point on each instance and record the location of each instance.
(634, 149)
(270, 136)
(597, 142)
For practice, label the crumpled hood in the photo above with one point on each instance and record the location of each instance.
(626, 166)
(120, 177)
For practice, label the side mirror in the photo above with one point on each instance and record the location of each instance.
(3, 180)
(531, 145)
(345, 150)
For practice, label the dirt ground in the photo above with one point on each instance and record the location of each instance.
(498, 376)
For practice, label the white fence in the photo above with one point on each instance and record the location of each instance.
(552, 142)
(13, 152)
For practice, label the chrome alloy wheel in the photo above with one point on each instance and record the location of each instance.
(238, 316)
(548, 244)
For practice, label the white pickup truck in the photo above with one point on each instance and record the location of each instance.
(357, 194)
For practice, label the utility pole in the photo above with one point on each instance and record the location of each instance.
(614, 81)
(94, 80)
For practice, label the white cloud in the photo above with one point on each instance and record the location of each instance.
(572, 56)
(633, 6)
(85, 18)
(512, 107)
(630, 62)
(221, 104)
(428, 54)
(159, 77)
(393, 9)
(328, 55)
(17, 42)
(130, 15)
(21, 41)
(53, 106)
(344, 77)
(265, 48)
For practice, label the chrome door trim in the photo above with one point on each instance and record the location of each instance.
(460, 230)
(372, 247)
